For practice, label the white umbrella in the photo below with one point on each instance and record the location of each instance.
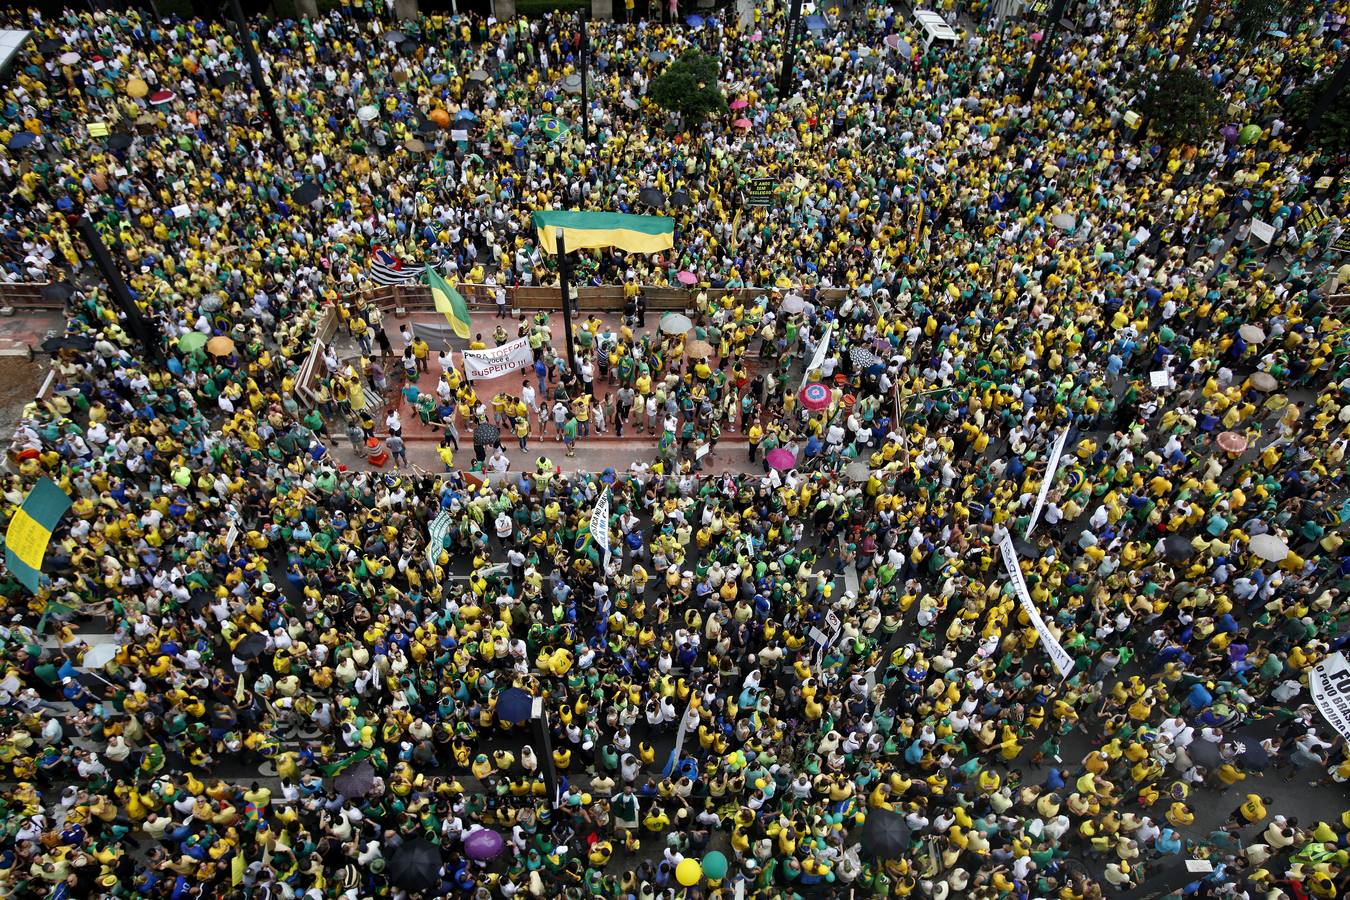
(99, 656)
(367, 113)
(1064, 222)
(858, 470)
(69, 59)
(1252, 334)
(792, 303)
(676, 323)
(1268, 547)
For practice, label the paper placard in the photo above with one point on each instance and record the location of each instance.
(459, 134)
(182, 211)
(98, 129)
(1199, 866)
(1159, 379)
(1262, 231)
(701, 452)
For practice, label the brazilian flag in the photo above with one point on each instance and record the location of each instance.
(449, 303)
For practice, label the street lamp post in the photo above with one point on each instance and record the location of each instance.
(1042, 53)
(256, 72)
(565, 280)
(137, 326)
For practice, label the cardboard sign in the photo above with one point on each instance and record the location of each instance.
(1159, 379)
(1262, 231)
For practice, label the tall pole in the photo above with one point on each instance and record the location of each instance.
(566, 301)
(137, 326)
(585, 88)
(1319, 110)
(1043, 51)
(785, 75)
(255, 70)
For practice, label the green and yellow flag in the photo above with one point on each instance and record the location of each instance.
(449, 303)
(31, 529)
(584, 230)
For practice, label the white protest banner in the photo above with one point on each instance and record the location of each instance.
(1262, 231)
(818, 358)
(1051, 465)
(1160, 379)
(436, 532)
(1058, 655)
(600, 525)
(1329, 683)
(480, 364)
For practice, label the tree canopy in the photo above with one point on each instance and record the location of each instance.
(689, 87)
(1180, 106)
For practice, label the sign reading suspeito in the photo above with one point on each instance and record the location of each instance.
(480, 364)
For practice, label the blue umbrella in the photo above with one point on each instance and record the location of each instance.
(21, 139)
(815, 23)
(439, 78)
(694, 21)
(466, 116)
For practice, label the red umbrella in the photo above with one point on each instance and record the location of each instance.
(741, 123)
(780, 459)
(1232, 442)
(814, 396)
(740, 103)
(687, 278)
(159, 98)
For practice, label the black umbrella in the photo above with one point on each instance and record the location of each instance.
(407, 48)
(1203, 752)
(885, 834)
(487, 435)
(306, 193)
(356, 781)
(1254, 756)
(251, 647)
(1177, 549)
(51, 45)
(57, 292)
(415, 866)
(1025, 548)
(514, 705)
(652, 197)
(226, 77)
(67, 342)
(681, 198)
(119, 141)
(394, 36)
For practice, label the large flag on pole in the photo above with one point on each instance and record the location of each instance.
(581, 230)
(449, 303)
(31, 529)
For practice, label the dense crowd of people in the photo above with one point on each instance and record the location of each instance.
(743, 675)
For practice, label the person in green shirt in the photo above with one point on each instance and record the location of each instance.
(570, 435)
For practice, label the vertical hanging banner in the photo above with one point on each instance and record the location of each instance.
(818, 358)
(1329, 684)
(31, 529)
(1051, 466)
(1058, 655)
(600, 525)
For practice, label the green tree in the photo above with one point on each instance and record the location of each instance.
(1332, 134)
(689, 87)
(1178, 105)
(1251, 18)
(1160, 12)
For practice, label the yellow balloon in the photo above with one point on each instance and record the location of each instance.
(688, 872)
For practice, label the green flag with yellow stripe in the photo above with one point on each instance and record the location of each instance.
(449, 303)
(30, 530)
